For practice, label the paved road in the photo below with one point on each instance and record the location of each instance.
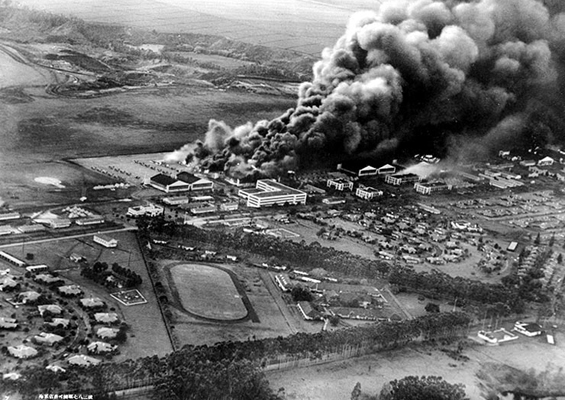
(274, 291)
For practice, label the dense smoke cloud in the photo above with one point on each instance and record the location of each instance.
(410, 75)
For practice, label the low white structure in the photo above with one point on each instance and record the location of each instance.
(229, 205)
(50, 308)
(498, 336)
(334, 200)
(107, 333)
(106, 318)
(70, 290)
(101, 348)
(8, 323)
(62, 322)
(90, 221)
(58, 223)
(36, 269)
(92, 302)
(26, 297)
(7, 283)
(83, 361)
(528, 329)
(175, 200)
(48, 339)
(22, 351)
(546, 162)
(105, 241)
(11, 259)
(151, 210)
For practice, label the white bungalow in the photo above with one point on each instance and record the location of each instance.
(22, 351)
(101, 348)
(546, 162)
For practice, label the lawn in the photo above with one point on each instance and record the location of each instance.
(208, 292)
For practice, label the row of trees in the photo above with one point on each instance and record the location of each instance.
(233, 370)
(310, 256)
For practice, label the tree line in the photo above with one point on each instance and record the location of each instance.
(343, 264)
(234, 370)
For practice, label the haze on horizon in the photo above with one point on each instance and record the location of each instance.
(278, 25)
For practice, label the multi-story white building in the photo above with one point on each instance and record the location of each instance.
(269, 192)
(340, 184)
(367, 192)
(430, 187)
(399, 179)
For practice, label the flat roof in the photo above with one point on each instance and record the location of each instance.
(106, 238)
(276, 189)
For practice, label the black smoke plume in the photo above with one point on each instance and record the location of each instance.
(414, 76)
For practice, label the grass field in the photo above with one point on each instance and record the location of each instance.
(270, 321)
(306, 26)
(488, 367)
(208, 292)
(157, 119)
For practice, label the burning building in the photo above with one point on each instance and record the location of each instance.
(452, 77)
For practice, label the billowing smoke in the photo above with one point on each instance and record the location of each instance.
(413, 76)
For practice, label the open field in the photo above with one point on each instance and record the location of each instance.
(307, 231)
(306, 26)
(15, 73)
(208, 292)
(43, 130)
(335, 381)
(273, 318)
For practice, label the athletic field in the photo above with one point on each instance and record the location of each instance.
(208, 292)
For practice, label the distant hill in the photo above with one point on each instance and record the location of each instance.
(26, 25)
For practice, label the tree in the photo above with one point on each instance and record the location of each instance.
(537, 240)
(560, 258)
(551, 240)
(356, 393)
(334, 320)
(432, 308)
(301, 293)
(425, 387)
